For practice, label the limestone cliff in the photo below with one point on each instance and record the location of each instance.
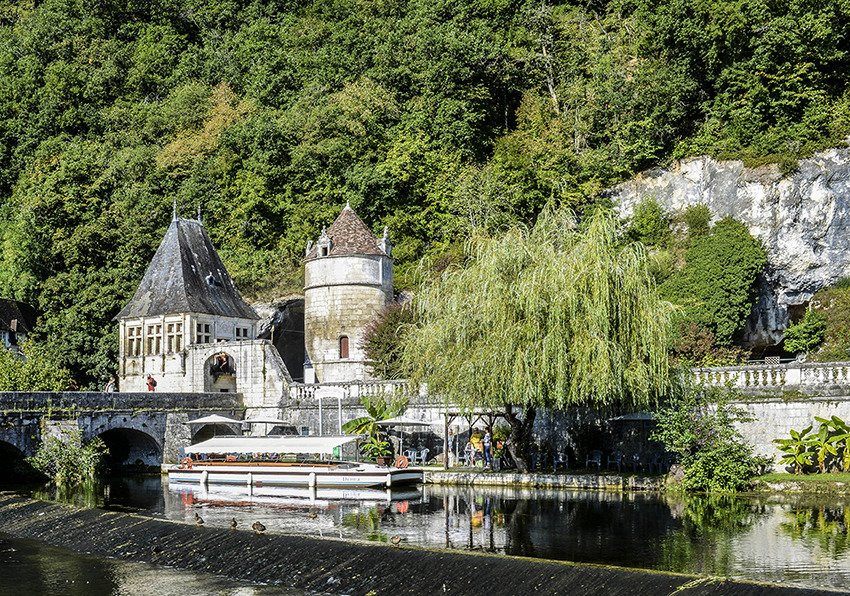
(802, 218)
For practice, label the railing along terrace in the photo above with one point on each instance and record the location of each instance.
(354, 390)
(775, 375)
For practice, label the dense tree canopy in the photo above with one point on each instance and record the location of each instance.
(428, 116)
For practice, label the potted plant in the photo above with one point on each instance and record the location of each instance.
(377, 449)
(377, 409)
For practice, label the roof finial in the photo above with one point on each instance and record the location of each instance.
(174, 213)
(199, 214)
(347, 204)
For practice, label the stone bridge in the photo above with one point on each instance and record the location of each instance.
(138, 428)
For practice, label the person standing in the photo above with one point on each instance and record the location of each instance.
(151, 382)
(485, 443)
(110, 385)
(450, 442)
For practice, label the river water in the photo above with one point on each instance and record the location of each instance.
(782, 539)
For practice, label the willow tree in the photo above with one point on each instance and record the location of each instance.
(544, 317)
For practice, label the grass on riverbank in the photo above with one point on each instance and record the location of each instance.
(806, 478)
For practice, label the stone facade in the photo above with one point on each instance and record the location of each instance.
(348, 281)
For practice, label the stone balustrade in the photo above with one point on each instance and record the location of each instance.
(800, 376)
(349, 392)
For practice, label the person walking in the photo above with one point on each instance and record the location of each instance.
(151, 382)
(110, 385)
(485, 443)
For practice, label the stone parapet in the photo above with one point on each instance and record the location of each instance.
(44, 401)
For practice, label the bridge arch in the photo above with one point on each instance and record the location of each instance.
(14, 466)
(130, 448)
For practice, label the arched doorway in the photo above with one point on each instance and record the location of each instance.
(14, 467)
(208, 431)
(131, 450)
(220, 373)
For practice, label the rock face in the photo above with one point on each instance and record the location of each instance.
(802, 218)
(282, 322)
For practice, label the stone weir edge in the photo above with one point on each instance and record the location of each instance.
(322, 565)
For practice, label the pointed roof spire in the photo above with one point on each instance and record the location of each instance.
(174, 213)
(348, 236)
(199, 214)
(347, 204)
(186, 275)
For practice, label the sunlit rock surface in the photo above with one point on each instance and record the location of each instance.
(801, 217)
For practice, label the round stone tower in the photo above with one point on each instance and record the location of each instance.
(348, 280)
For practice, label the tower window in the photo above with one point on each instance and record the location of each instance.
(343, 347)
(324, 251)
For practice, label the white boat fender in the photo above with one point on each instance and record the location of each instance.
(311, 480)
(205, 477)
(389, 480)
(250, 479)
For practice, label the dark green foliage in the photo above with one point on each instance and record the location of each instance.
(833, 305)
(649, 224)
(699, 426)
(69, 462)
(698, 220)
(716, 286)
(428, 118)
(383, 340)
(808, 334)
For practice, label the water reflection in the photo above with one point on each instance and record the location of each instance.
(779, 538)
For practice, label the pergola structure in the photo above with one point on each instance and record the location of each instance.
(472, 417)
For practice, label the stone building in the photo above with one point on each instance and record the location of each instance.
(17, 319)
(348, 280)
(188, 327)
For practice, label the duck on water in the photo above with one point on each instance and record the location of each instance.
(285, 461)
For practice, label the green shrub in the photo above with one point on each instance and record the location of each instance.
(383, 338)
(69, 462)
(698, 220)
(649, 224)
(37, 372)
(700, 426)
(808, 334)
(834, 305)
(716, 287)
(695, 346)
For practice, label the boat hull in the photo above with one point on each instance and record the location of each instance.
(306, 476)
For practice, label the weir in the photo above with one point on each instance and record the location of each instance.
(326, 565)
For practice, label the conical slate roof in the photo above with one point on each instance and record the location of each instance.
(349, 236)
(187, 275)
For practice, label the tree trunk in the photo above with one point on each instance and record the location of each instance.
(519, 445)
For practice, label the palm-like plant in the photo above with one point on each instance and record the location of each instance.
(824, 444)
(377, 410)
(841, 438)
(796, 449)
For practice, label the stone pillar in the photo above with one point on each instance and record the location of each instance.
(177, 435)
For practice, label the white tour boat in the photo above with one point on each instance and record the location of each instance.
(284, 461)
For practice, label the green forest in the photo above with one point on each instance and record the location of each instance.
(430, 117)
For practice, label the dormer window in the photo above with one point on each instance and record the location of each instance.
(324, 244)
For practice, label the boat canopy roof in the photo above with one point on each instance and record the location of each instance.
(294, 444)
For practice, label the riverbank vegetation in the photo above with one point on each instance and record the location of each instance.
(68, 461)
(430, 120)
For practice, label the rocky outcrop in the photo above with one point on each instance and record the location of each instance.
(282, 322)
(802, 218)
